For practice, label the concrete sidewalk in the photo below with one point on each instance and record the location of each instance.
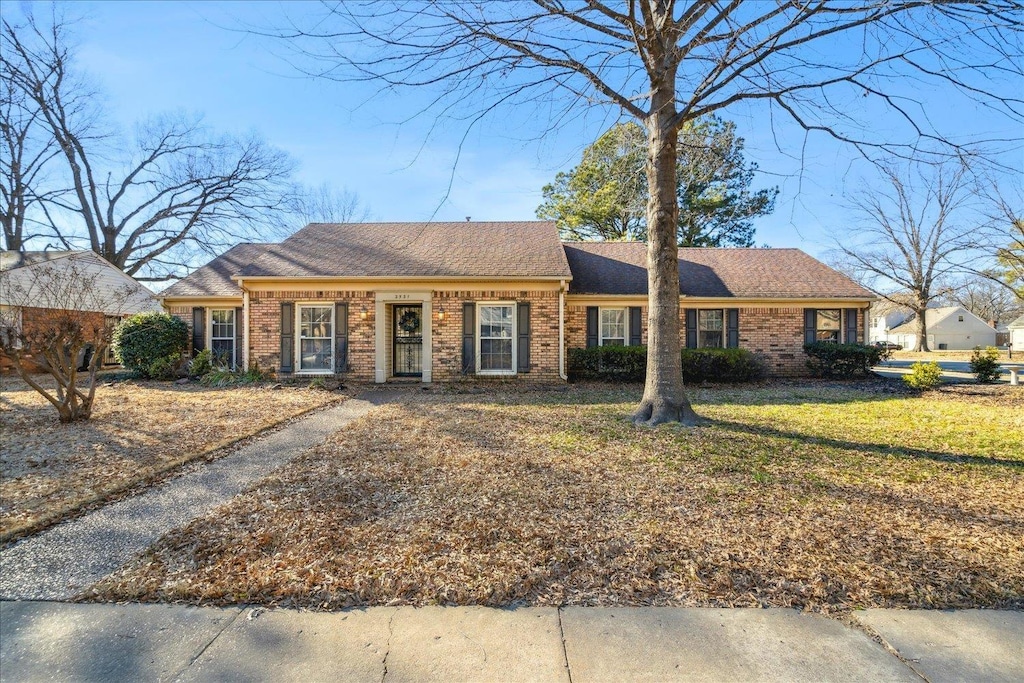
(43, 641)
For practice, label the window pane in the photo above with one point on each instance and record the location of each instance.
(709, 320)
(315, 321)
(828, 336)
(315, 354)
(495, 354)
(223, 351)
(496, 337)
(613, 326)
(711, 340)
(828, 319)
(223, 323)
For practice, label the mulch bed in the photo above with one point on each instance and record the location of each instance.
(824, 496)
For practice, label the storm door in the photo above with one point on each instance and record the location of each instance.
(407, 355)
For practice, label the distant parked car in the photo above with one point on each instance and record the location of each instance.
(889, 346)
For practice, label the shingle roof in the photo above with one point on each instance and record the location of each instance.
(463, 249)
(9, 260)
(214, 279)
(621, 268)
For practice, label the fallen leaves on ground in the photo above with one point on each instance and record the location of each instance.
(136, 429)
(825, 496)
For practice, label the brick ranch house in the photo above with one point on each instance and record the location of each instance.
(440, 301)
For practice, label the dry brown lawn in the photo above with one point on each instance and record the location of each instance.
(137, 430)
(827, 496)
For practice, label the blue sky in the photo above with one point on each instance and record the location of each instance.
(150, 57)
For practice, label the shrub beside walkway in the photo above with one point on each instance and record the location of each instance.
(60, 562)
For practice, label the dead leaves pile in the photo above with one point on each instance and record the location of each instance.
(558, 500)
(136, 429)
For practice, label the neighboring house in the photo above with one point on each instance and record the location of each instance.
(1016, 329)
(29, 278)
(440, 301)
(947, 327)
(884, 316)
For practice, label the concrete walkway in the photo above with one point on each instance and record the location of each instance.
(59, 562)
(42, 641)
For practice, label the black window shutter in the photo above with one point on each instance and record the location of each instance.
(732, 328)
(592, 324)
(287, 336)
(198, 329)
(636, 333)
(239, 341)
(851, 326)
(810, 325)
(523, 349)
(468, 338)
(341, 337)
(691, 328)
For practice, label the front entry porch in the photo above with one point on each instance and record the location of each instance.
(403, 336)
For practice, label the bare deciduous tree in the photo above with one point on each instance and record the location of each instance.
(174, 189)
(983, 296)
(326, 204)
(59, 318)
(913, 236)
(664, 63)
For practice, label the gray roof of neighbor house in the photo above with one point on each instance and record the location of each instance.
(9, 260)
(214, 279)
(1016, 324)
(525, 249)
(620, 268)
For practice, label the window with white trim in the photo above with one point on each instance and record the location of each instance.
(222, 336)
(828, 327)
(316, 338)
(613, 326)
(710, 329)
(10, 326)
(496, 339)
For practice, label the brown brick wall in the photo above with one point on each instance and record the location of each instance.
(265, 329)
(38, 319)
(776, 334)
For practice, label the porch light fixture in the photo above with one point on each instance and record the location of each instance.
(440, 313)
(362, 313)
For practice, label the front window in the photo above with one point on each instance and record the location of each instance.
(827, 329)
(316, 338)
(496, 339)
(709, 329)
(613, 326)
(222, 337)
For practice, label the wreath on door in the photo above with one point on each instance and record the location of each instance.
(409, 321)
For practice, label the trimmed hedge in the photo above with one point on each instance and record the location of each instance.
(629, 364)
(151, 345)
(842, 360)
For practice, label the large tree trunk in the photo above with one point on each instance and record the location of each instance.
(664, 396)
(922, 328)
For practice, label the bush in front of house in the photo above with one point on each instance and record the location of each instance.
(151, 345)
(609, 363)
(201, 364)
(629, 364)
(828, 359)
(924, 375)
(721, 365)
(985, 364)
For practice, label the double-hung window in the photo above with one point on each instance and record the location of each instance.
(496, 352)
(828, 327)
(222, 336)
(613, 326)
(316, 338)
(710, 329)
